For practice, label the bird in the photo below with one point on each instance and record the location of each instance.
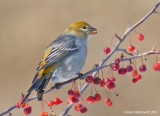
(63, 58)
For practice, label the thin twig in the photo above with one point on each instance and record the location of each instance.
(125, 51)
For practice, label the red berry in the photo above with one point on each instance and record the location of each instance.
(113, 79)
(75, 100)
(44, 114)
(103, 83)
(57, 101)
(70, 92)
(97, 97)
(142, 68)
(115, 67)
(156, 66)
(131, 48)
(117, 60)
(134, 73)
(77, 94)
(84, 110)
(111, 85)
(122, 71)
(110, 104)
(91, 98)
(89, 79)
(27, 110)
(97, 80)
(139, 77)
(50, 103)
(107, 80)
(129, 68)
(76, 107)
(80, 105)
(107, 50)
(134, 80)
(140, 37)
(69, 101)
(17, 105)
(23, 105)
(107, 100)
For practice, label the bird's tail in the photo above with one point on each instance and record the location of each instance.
(39, 85)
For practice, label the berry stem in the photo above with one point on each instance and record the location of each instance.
(134, 63)
(102, 73)
(95, 89)
(130, 39)
(157, 57)
(111, 41)
(91, 88)
(107, 93)
(52, 95)
(108, 71)
(72, 85)
(137, 45)
(83, 100)
(111, 74)
(136, 32)
(56, 93)
(42, 105)
(47, 104)
(141, 58)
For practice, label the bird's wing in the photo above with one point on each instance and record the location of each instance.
(59, 49)
(62, 47)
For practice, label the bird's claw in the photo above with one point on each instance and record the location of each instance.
(79, 75)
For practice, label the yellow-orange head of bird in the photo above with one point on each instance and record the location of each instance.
(81, 29)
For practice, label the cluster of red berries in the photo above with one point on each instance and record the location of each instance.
(56, 101)
(108, 102)
(129, 68)
(136, 76)
(109, 82)
(74, 96)
(79, 107)
(131, 48)
(27, 108)
(156, 66)
(95, 98)
(140, 37)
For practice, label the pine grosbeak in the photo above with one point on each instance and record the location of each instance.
(64, 57)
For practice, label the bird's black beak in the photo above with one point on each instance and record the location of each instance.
(93, 30)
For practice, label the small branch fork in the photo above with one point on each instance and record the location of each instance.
(102, 63)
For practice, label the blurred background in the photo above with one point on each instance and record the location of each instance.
(27, 27)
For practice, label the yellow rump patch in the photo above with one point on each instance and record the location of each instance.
(48, 69)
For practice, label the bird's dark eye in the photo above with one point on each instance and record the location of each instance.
(84, 27)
